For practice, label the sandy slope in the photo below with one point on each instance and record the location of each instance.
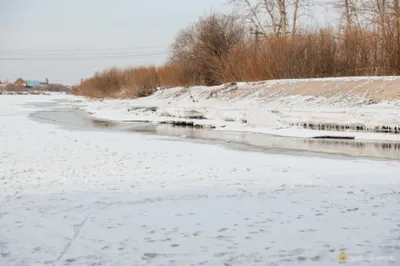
(373, 88)
(109, 198)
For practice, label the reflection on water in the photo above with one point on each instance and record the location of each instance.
(102, 123)
(70, 118)
(359, 148)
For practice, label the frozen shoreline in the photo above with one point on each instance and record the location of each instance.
(272, 107)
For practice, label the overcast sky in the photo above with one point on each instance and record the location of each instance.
(43, 38)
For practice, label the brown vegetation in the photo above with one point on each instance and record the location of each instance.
(43, 88)
(126, 83)
(267, 41)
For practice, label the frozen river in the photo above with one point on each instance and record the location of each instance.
(81, 195)
(70, 117)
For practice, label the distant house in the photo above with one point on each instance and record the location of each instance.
(27, 83)
(20, 82)
(32, 84)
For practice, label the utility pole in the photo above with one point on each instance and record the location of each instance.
(348, 14)
(256, 34)
(283, 16)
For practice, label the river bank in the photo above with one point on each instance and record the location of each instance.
(66, 113)
(366, 108)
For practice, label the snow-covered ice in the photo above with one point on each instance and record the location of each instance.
(115, 198)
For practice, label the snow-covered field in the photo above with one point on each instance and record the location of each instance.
(278, 107)
(114, 198)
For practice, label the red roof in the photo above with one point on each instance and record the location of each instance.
(20, 81)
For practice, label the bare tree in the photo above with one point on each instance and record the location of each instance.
(203, 47)
(275, 16)
(283, 20)
(351, 11)
(383, 16)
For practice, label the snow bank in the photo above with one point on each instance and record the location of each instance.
(362, 106)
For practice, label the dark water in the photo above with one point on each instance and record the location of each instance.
(72, 118)
(278, 144)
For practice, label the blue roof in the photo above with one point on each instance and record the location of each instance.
(32, 83)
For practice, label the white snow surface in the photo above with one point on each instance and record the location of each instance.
(271, 113)
(115, 198)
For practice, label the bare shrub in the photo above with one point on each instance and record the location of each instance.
(13, 87)
(126, 83)
(203, 47)
(55, 88)
(101, 84)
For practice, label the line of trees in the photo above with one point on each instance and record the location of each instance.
(268, 39)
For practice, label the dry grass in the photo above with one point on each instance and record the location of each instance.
(43, 88)
(126, 83)
(314, 54)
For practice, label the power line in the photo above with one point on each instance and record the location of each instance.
(80, 28)
(96, 54)
(81, 49)
(87, 57)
